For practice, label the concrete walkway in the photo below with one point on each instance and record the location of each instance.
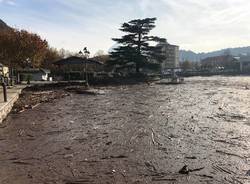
(12, 97)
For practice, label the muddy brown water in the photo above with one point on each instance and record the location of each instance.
(133, 134)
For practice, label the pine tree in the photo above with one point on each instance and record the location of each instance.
(136, 46)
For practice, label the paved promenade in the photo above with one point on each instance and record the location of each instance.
(12, 96)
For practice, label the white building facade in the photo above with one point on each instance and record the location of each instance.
(172, 57)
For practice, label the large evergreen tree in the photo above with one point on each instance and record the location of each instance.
(137, 47)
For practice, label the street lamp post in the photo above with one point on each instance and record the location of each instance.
(86, 56)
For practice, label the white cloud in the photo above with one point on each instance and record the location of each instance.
(199, 25)
(8, 2)
(205, 25)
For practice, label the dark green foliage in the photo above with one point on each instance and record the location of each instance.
(137, 47)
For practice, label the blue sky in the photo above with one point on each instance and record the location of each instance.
(198, 25)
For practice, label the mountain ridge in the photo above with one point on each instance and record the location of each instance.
(196, 57)
(3, 25)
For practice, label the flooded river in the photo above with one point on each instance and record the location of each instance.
(134, 134)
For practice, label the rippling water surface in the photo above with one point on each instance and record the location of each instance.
(134, 134)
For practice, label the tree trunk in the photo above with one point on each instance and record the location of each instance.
(139, 53)
(137, 68)
(11, 77)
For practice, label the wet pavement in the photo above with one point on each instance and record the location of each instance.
(133, 134)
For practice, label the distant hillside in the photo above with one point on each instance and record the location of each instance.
(3, 25)
(192, 56)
